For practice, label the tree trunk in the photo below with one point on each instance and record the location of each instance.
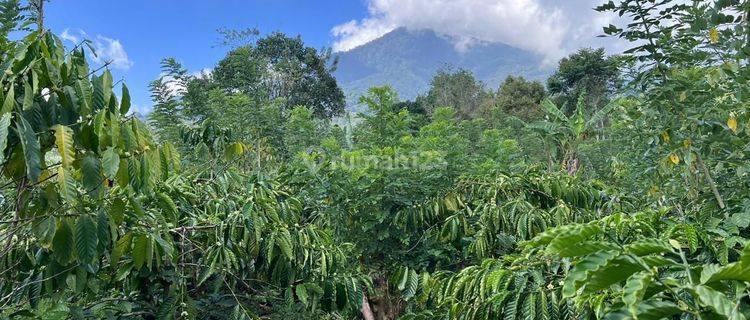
(366, 311)
(384, 306)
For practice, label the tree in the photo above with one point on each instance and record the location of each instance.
(11, 19)
(459, 90)
(520, 97)
(278, 66)
(588, 70)
(563, 134)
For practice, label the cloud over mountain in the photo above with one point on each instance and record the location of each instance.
(552, 28)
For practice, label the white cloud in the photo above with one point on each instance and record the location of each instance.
(552, 28)
(205, 73)
(106, 49)
(177, 87)
(109, 49)
(68, 35)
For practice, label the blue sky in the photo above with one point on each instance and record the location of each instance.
(137, 34)
(149, 30)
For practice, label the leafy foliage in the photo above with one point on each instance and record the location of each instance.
(242, 199)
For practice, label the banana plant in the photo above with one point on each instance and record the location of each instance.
(562, 134)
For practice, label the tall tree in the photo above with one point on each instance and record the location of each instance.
(166, 93)
(520, 97)
(278, 66)
(588, 70)
(457, 89)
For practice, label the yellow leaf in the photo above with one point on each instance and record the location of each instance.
(683, 96)
(732, 124)
(676, 244)
(713, 35)
(653, 191)
(687, 143)
(665, 137)
(675, 159)
(64, 143)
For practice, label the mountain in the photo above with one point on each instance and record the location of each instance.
(408, 59)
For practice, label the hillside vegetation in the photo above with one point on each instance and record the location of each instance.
(616, 190)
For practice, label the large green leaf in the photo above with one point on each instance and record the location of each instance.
(738, 271)
(31, 149)
(86, 238)
(28, 96)
(140, 250)
(10, 100)
(580, 272)
(634, 290)
(63, 244)
(106, 86)
(91, 171)
(121, 246)
(66, 184)
(719, 303)
(567, 243)
(553, 110)
(125, 101)
(647, 310)
(4, 124)
(111, 163)
(97, 100)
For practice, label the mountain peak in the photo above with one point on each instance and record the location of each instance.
(407, 59)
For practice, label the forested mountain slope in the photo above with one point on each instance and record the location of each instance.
(407, 59)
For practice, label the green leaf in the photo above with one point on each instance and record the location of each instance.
(10, 100)
(166, 308)
(601, 114)
(212, 258)
(106, 86)
(63, 242)
(648, 246)
(718, 302)
(301, 291)
(634, 290)
(86, 239)
(412, 286)
(64, 143)
(649, 310)
(125, 101)
(553, 110)
(567, 242)
(284, 241)
(168, 206)
(738, 271)
(31, 149)
(404, 279)
(578, 274)
(122, 245)
(140, 250)
(28, 96)
(111, 163)
(4, 124)
(66, 184)
(97, 101)
(91, 171)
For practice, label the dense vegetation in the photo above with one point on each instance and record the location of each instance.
(617, 191)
